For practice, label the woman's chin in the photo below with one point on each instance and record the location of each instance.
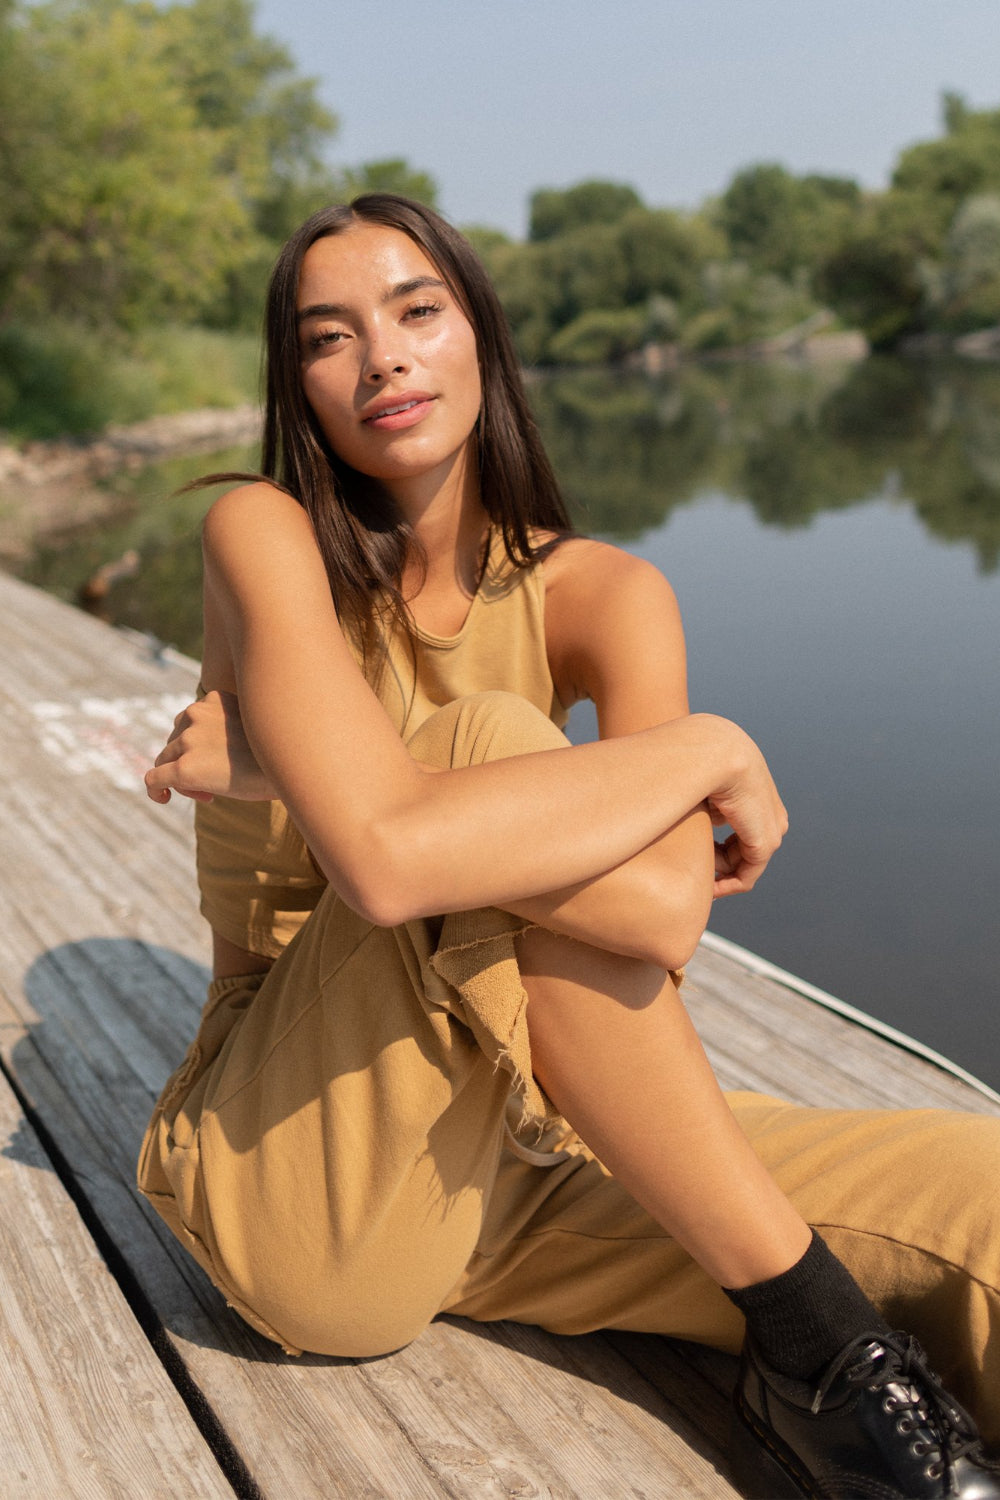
(405, 463)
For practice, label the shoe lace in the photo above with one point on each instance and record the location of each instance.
(897, 1365)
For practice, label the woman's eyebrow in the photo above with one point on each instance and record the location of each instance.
(401, 289)
(320, 310)
(404, 288)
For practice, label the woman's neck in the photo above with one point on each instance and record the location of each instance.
(449, 524)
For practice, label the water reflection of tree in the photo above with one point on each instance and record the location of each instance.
(792, 441)
(626, 451)
(936, 429)
(163, 597)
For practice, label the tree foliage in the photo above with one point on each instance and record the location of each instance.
(150, 157)
(555, 211)
(394, 175)
(875, 275)
(964, 162)
(616, 275)
(965, 293)
(770, 254)
(153, 156)
(777, 221)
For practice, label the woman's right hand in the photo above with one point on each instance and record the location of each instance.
(208, 755)
(748, 803)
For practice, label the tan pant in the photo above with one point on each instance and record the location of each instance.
(354, 1143)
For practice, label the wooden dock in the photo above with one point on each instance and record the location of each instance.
(123, 1372)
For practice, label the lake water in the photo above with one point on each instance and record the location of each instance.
(833, 537)
(864, 661)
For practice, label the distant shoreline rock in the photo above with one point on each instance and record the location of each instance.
(128, 445)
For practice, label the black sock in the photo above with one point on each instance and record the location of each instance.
(801, 1319)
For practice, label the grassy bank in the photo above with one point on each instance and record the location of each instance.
(61, 380)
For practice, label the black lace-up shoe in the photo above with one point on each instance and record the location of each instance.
(878, 1426)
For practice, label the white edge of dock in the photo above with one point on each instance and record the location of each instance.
(762, 966)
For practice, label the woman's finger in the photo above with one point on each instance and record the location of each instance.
(171, 751)
(156, 788)
(163, 779)
(737, 870)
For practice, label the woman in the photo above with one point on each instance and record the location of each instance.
(444, 1065)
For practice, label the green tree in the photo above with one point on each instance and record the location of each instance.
(148, 156)
(964, 162)
(612, 281)
(585, 270)
(118, 198)
(876, 277)
(663, 253)
(601, 336)
(269, 130)
(486, 240)
(778, 221)
(924, 255)
(755, 209)
(394, 175)
(743, 306)
(528, 291)
(555, 211)
(965, 294)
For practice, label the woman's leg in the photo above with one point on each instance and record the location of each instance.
(328, 1166)
(340, 1166)
(615, 1050)
(327, 1146)
(907, 1199)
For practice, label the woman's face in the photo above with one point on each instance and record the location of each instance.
(388, 358)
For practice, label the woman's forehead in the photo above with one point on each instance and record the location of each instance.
(363, 260)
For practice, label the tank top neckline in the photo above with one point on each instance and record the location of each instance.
(443, 641)
(490, 578)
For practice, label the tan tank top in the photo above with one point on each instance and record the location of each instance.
(258, 881)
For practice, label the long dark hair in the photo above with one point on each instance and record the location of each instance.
(362, 536)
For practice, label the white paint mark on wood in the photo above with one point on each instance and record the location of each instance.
(117, 738)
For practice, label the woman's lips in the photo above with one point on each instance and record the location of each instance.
(404, 412)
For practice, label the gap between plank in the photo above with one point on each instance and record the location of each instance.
(208, 1424)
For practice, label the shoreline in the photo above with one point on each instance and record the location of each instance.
(50, 485)
(47, 486)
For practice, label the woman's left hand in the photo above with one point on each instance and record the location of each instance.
(739, 864)
(208, 755)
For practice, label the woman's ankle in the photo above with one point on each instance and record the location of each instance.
(801, 1319)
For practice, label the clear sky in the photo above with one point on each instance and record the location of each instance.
(497, 97)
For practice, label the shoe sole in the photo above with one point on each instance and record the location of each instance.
(761, 1468)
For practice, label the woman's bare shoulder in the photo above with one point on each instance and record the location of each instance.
(264, 573)
(601, 606)
(580, 565)
(255, 503)
(258, 525)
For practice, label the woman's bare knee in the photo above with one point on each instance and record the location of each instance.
(547, 960)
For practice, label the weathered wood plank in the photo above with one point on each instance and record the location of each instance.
(87, 1406)
(94, 1012)
(301, 1428)
(502, 1409)
(765, 1037)
(607, 1429)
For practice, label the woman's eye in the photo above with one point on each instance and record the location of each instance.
(329, 336)
(422, 310)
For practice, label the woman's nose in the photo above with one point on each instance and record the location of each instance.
(383, 358)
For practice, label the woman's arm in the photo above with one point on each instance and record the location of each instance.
(384, 830)
(614, 635)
